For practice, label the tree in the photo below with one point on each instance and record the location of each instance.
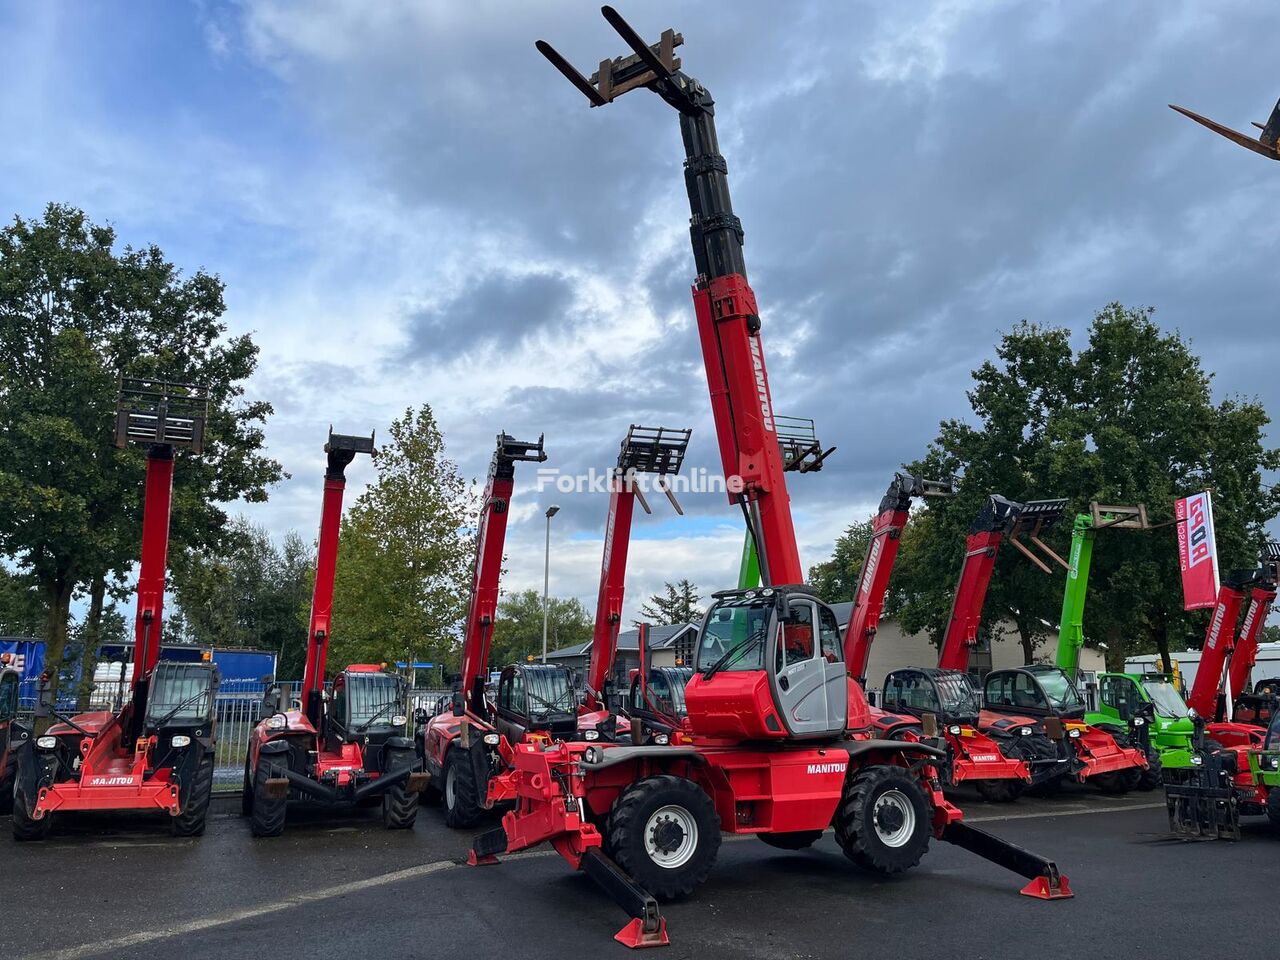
(254, 594)
(22, 610)
(518, 633)
(836, 579)
(74, 315)
(406, 553)
(1128, 419)
(678, 603)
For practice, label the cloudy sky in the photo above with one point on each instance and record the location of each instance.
(408, 205)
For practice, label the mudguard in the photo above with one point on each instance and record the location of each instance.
(612, 756)
(36, 769)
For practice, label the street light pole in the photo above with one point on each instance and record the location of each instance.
(546, 577)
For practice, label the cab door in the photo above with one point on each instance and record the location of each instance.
(808, 670)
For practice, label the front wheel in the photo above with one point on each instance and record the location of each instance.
(267, 818)
(882, 822)
(1153, 776)
(195, 811)
(1115, 783)
(665, 833)
(1000, 791)
(1273, 805)
(246, 792)
(24, 826)
(462, 808)
(7, 777)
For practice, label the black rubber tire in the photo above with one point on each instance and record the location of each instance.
(466, 810)
(268, 816)
(855, 822)
(1000, 791)
(1116, 783)
(399, 804)
(24, 828)
(1152, 777)
(1273, 806)
(630, 817)
(7, 778)
(246, 792)
(191, 821)
(797, 840)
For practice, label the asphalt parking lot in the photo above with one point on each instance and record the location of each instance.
(342, 885)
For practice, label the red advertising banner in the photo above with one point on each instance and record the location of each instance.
(1197, 551)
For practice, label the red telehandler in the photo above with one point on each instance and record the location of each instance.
(655, 450)
(348, 747)
(781, 746)
(157, 753)
(466, 745)
(999, 763)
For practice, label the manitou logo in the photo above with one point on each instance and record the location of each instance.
(827, 767)
(1215, 628)
(984, 757)
(1073, 571)
(873, 560)
(110, 781)
(762, 388)
(1247, 627)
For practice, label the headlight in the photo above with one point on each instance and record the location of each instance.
(492, 739)
(1025, 731)
(591, 734)
(46, 743)
(399, 720)
(661, 739)
(181, 740)
(1197, 759)
(1139, 722)
(1074, 734)
(1191, 714)
(592, 755)
(954, 730)
(1275, 763)
(276, 721)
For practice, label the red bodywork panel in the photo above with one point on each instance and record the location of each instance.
(971, 594)
(483, 608)
(728, 328)
(613, 578)
(322, 593)
(873, 584)
(1246, 652)
(151, 571)
(1219, 640)
(974, 755)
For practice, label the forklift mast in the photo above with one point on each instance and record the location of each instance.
(1083, 531)
(163, 417)
(1220, 649)
(341, 450)
(801, 453)
(490, 540)
(877, 566)
(999, 519)
(1266, 144)
(656, 450)
(725, 306)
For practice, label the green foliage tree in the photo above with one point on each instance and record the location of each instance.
(678, 603)
(74, 314)
(836, 579)
(518, 633)
(254, 594)
(22, 609)
(406, 554)
(1130, 418)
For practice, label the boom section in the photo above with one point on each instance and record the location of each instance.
(491, 536)
(660, 452)
(877, 565)
(340, 450)
(1261, 598)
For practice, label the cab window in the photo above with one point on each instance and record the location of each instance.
(911, 691)
(1016, 690)
(829, 635)
(1120, 695)
(797, 635)
(8, 697)
(504, 691)
(516, 701)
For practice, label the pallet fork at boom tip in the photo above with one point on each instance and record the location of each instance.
(1267, 143)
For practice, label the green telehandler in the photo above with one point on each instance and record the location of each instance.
(1145, 707)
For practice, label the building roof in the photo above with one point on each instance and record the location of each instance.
(660, 638)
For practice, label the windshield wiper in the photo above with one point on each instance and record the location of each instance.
(174, 712)
(381, 710)
(550, 705)
(733, 654)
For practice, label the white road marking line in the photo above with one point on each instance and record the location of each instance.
(411, 873)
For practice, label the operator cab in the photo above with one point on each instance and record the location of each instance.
(1258, 707)
(535, 698)
(659, 704)
(949, 695)
(769, 666)
(1120, 696)
(1036, 690)
(367, 707)
(180, 703)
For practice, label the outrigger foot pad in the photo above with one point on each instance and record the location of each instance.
(635, 936)
(1048, 888)
(486, 847)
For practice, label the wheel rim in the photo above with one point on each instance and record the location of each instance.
(671, 837)
(894, 818)
(450, 790)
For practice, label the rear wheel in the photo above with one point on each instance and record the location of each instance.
(1273, 805)
(267, 818)
(796, 840)
(665, 833)
(882, 822)
(24, 827)
(1000, 791)
(462, 808)
(195, 811)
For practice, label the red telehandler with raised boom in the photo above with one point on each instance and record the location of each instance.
(157, 752)
(645, 450)
(345, 746)
(781, 746)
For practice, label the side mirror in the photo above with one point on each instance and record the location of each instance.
(420, 715)
(271, 701)
(459, 704)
